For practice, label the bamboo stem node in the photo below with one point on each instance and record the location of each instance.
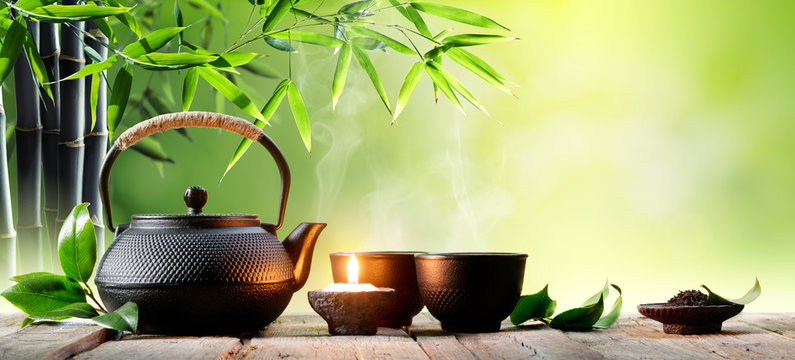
(55, 53)
(96, 133)
(51, 131)
(31, 226)
(8, 236)
(74, 143)
(25, 129)
(71, 58)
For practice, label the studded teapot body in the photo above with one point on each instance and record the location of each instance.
(198, 273)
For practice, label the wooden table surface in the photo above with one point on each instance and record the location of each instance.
(747, 336)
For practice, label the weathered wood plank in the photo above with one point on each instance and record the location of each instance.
(549, 343)
(10, 322)
(53, 340)
(167, 348)
(783, 324)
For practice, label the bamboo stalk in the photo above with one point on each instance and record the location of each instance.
(96, 139)
(28, 134)
(70, 140)
(50, 118)
(8, 250)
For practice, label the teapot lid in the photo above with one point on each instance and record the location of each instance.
(195, 198)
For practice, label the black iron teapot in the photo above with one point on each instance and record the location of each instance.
(199, 273)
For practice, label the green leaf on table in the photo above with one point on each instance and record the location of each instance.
(81, 310)
(367, 43)
(70, 13)
(299, 114)
(581, 318)
(230, 91)
(394, 44)
(260, 69)
(77, 244)
(455, 84)
(189, 88)
(44, 293)
(456, 14)
(340, 73)
(267, 113)
(27, 321)
(476, 67)
(536, 306)
(309, 38)
(602, 293)
(208, 8)
(610, 319)
(276, 14)
(152, 42)
(125, 318)
(280, 44)
(474, 39)
(367, 65)
(440, 82)
(120, 94)
(93, 68)
(12, 44)
(152, 149)
(412, 79)
(172, 61)
(751, 295)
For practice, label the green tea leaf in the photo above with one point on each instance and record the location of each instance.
(69, 13)
(230, 91)
(44, 293)
(93, 68)
(79, 310)
(456, 14)
(280, 44)
(173, 61)
(412, 79)
(120, 94)
(267, 113)
(340, 74)
(459, 87)
(189, 88)
(77, 244)
(537, 306)
(398, 46)
(276, 15)
(610, 319)
(309, 38)
(27, 321)
(474, 39)
(579, 319)
(152, 42)
(461, 58)
(368, 67)
(260, 69)
(602, 293)
(441, 83)
(125, 318)
(208, 8)
(23, 277)
(300, 115)
(12, 44)
(751, 295)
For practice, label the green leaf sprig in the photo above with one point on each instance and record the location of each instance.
(751, 295)
(52, 297)
(541, 307)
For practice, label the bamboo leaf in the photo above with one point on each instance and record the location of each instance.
(152, 42)
(173, 61)
(368, 67)
(309, 15)
(299, 114)
(476, 68)
(611, 318)
(309, 38)
(367, 43)
(355, 7)
(230, 91)
(267, 113)
(208, 8)
(70, 13)
(340, 73)
(107, 30)
(538, 306)
(125, 318)
(394, 44)
(37, 64)
(750, 296)
(276, 15)
(189, 88)
(412, 79)
(236, 58)
(280, 44)
(456, 14)
(32, 4)
(77, 244)
(44, 293)
(127, 19)
(152, 149)
(442, 34)
(439, 80)
(79, 310)
(260, 69)
(436, 52)
(93, 68)
(459, 87)
(12, 44)
(120, 93)
(178, 19)
(92, 54)
(418, 22)
(94, 100)
(474, 39)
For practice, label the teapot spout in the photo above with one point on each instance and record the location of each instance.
(299, 245)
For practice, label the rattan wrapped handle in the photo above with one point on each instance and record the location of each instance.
(165, 122)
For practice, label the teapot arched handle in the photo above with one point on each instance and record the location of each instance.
(165, 122)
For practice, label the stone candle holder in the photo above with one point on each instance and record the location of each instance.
(352, 312)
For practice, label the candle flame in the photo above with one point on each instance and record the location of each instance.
(353, 270)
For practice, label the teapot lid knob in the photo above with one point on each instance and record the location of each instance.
(195, 198)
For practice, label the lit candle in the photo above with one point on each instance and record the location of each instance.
(353, 280)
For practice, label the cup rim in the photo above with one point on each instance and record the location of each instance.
(377, 254)
(469, 255)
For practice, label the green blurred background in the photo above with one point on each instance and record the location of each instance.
(651, 143)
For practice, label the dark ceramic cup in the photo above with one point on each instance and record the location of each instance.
(389, 269)
(470, 292)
